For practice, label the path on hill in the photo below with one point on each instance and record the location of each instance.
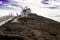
(1, 23)
(15, 20)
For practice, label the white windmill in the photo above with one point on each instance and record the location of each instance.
(25, 12)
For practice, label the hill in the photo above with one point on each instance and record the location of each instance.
(4, 18)
(33, 27)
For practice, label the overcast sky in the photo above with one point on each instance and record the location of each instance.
(51, 9)
(13, 6)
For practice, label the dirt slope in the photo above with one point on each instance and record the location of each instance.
(30, 28)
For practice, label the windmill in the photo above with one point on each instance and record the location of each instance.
(25, 9)
(25, 12)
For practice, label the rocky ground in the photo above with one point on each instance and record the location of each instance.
(30, 28)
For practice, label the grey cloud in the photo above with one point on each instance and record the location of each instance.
(6, 7)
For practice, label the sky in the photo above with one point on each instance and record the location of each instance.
(49, 9)
(12, 6)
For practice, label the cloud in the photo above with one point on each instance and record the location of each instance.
(45, 2)
(15, 5)
(5, 6)
(57, 16)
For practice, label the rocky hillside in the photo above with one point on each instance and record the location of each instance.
(33, 27)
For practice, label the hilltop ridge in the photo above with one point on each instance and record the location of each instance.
(33, 27)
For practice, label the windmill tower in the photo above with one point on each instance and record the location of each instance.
(25, 12)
